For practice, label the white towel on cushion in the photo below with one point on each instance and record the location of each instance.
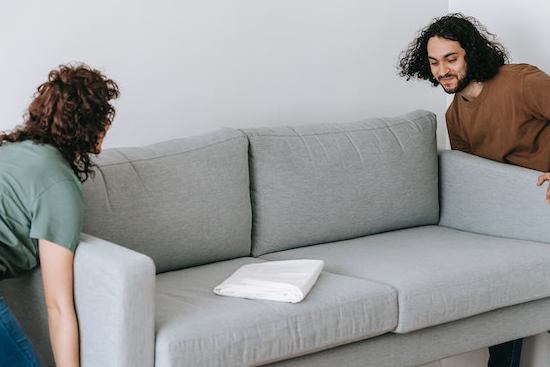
(283, 281)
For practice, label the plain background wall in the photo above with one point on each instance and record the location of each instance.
(187, 67)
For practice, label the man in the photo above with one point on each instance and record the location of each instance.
(500, 111)
(42, 165)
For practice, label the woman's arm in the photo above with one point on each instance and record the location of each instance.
(56, 263)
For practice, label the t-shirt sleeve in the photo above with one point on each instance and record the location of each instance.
(536, 91)
(57, 215)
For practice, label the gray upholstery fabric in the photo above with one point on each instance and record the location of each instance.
(182, 202)
(114, 300)
(321, 183)
(431, 344)
(114, 295)
(195, 327)
(440, 274)
(483, 196)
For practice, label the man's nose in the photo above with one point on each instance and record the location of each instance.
(442, 70)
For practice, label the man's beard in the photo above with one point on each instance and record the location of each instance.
(462, 83)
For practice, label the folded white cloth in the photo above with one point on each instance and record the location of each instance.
(283, 281)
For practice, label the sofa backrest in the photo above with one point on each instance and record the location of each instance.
(322, 183)
(487, 197)
(183, 202)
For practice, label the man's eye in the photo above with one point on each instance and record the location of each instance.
(452, 60)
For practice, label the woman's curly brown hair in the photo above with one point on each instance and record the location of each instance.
(484, 54)
(70, 111)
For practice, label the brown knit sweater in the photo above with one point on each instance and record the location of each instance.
(509, 121)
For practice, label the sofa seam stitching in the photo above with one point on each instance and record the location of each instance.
(168, 155)
(327, 133)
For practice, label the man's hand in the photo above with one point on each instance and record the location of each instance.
(541, 180)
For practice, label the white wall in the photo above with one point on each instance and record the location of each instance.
(186, 67)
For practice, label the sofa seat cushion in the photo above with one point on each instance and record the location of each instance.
(195, 327)
(440, 274)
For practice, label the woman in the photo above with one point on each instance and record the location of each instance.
(42, 165)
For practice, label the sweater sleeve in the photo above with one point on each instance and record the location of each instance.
(536, 91)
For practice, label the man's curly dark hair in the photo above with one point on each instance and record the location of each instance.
(70, 111)
(484, 55)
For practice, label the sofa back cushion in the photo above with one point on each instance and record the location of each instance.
(183, 202)
(483, 196)
(322, 183)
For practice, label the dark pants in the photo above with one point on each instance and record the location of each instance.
(506, 354)
(15, 349)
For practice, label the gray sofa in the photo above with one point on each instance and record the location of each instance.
(424, 257)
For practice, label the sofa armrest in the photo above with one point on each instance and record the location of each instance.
(487, 197)
(114, 300)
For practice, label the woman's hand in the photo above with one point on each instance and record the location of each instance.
(541, 180)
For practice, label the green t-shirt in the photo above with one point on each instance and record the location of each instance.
(40, 198)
